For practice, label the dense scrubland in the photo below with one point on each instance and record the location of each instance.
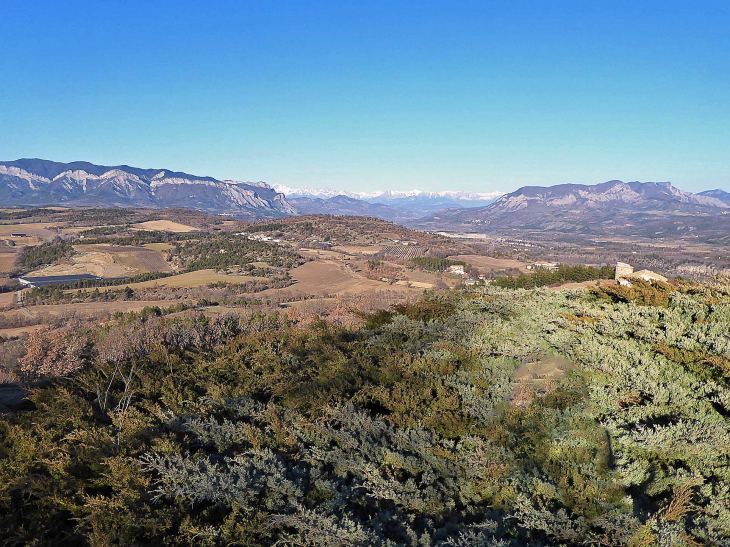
(407, 428)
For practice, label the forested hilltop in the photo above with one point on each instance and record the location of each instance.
(485, 416)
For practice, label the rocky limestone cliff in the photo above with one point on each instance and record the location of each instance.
(42, 182)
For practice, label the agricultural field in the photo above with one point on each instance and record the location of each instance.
(324, 279)
(24, 241)
(322, 254)
(487, 263)
(6, 262)
(15, 332)
(36, 229)
(134, 259)
(426, 280)
(108, 261)
(7, 299)
(159, 247)
(75, 230)
(401, 252)
(166, 226)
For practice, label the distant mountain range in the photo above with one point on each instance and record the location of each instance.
(38, 182)
(43, 182)
(411, 202)
(722, 195)
(654, 209)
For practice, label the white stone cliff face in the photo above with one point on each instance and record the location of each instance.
(124, 187)
(16, 172)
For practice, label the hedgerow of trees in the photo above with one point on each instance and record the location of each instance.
(564, 274)
(24, 213)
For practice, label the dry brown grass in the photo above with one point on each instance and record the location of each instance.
(7, 299)
(326, 278)
(18, 331)
(159, 247)
(6, 262)
(27, 241)
(38, 229)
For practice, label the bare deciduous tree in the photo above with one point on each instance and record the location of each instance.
(52, 353)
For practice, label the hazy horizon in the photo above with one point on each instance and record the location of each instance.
(382, 96)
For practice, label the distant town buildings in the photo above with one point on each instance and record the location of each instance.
(457, 269)
(258, 237)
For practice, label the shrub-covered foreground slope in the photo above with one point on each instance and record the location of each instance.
(409, 431)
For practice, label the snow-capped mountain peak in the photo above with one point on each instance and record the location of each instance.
(329, 192)
(410, 203)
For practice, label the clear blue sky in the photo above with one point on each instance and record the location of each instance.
(479, 95)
